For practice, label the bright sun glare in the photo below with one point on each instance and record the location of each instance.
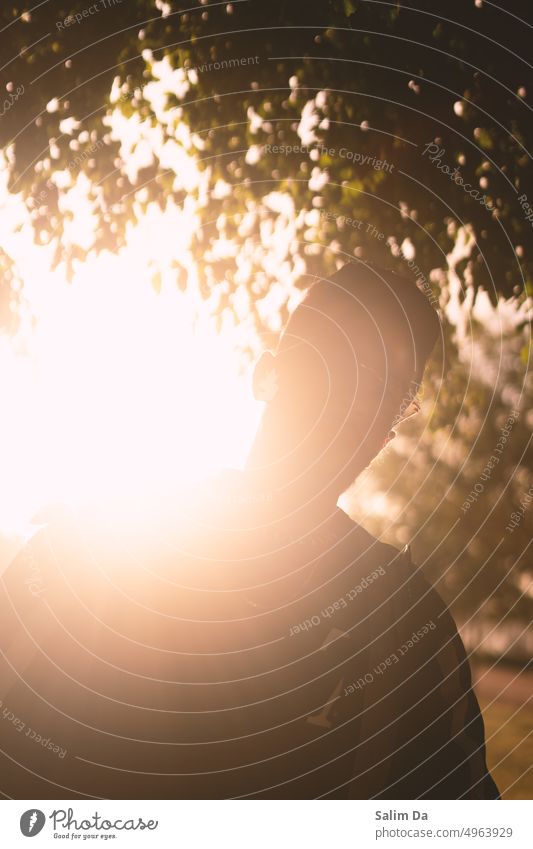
(109, 390)
(113, 391)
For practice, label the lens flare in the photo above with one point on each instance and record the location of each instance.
(112, 392)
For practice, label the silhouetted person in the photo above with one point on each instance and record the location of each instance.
(257, 642)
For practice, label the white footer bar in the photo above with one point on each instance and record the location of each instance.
(268, 824)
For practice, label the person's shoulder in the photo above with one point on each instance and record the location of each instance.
(374, 551)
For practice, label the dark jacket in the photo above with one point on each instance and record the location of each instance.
(234, 659)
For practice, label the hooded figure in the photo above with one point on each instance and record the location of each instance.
(260, 644)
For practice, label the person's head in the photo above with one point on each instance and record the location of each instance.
(347, 364)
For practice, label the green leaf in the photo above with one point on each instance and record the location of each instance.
(349, 8)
